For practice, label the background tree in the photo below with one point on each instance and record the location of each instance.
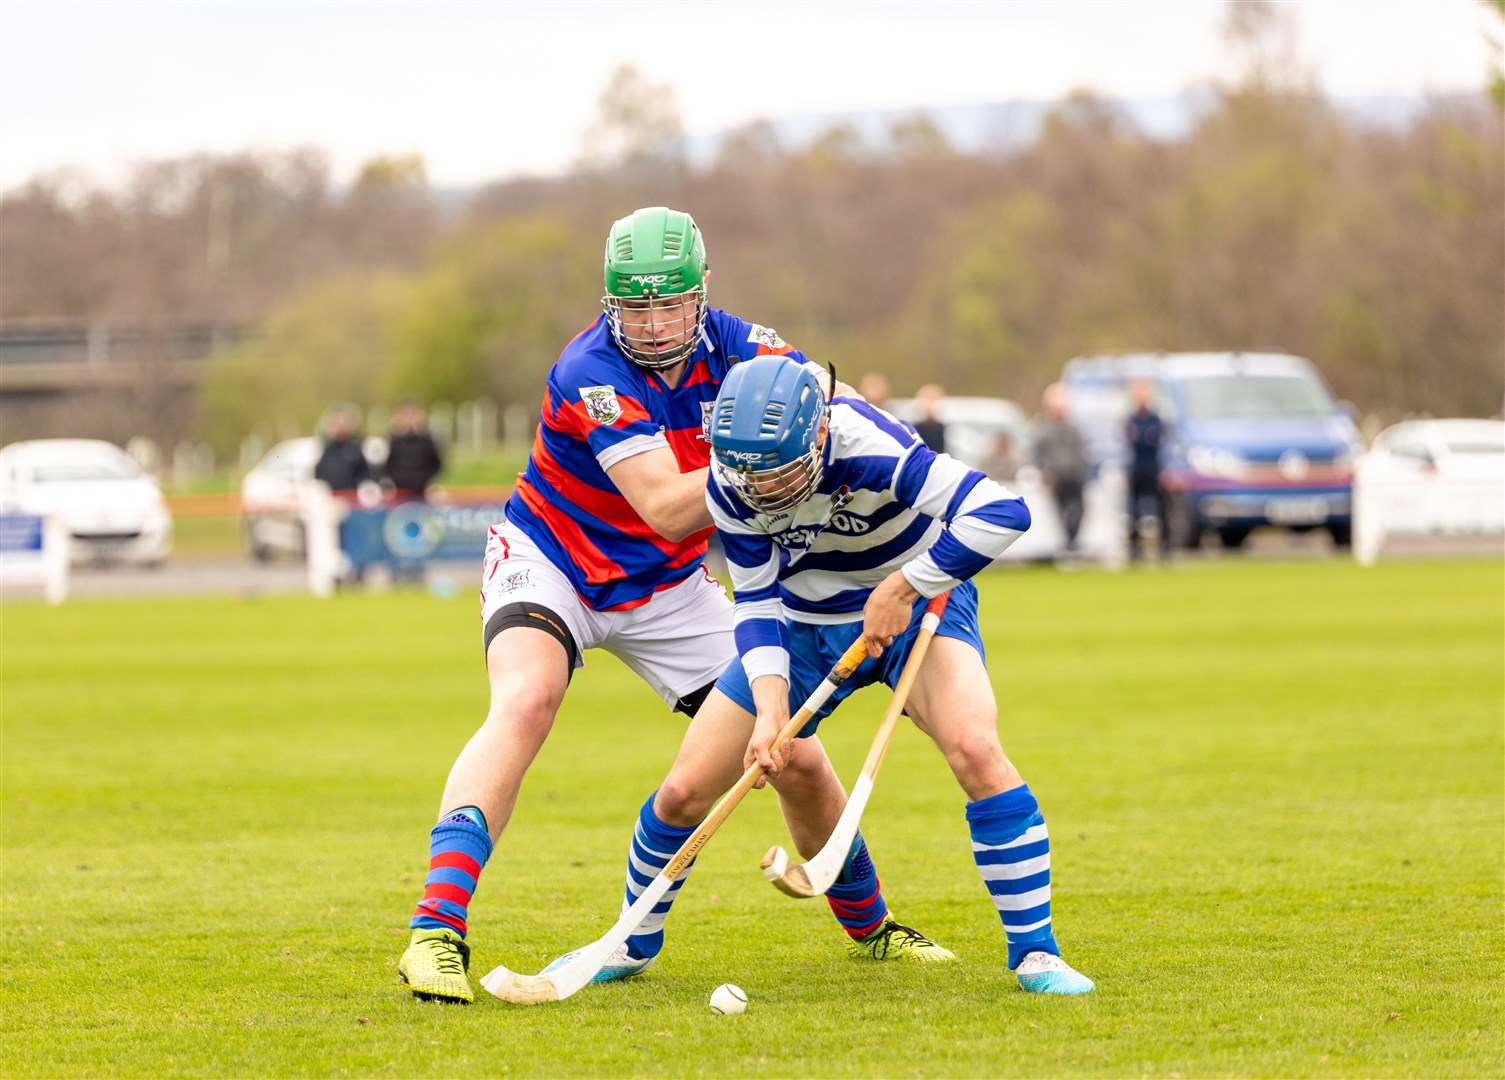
(493, 311)
(637, 126)
(330, 343)
(1496, 76)
(1276, 221)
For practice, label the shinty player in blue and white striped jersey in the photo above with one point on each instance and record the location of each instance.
(837, 521)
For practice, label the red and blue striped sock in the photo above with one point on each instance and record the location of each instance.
(458, 847)
(857, 897)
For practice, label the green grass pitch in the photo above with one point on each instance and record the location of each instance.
(1274, 789)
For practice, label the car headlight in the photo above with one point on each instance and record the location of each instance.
(1214, 461)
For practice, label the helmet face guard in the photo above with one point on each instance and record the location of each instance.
(765, 433)
(775, 490)
(656, 331)
(655, 270)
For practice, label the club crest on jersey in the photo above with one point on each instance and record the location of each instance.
(706, 408)
(522, 579)
(601, 403)
(768, 337)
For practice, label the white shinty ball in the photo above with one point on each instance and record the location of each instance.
(728, 1000)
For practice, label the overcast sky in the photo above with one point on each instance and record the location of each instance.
(489, 90)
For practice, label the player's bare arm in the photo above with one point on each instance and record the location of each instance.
(672, 503)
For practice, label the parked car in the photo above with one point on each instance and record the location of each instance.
(1449, 449)
(274, 495)
(1252, 439)
(1439, 476)
(112, 511)
(973, 425)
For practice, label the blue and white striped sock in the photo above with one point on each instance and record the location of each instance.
(654, 843)
(1012, 850)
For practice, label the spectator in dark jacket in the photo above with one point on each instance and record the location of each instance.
(342, 465)
(413, 458)
(1144, 431)
(930, 427)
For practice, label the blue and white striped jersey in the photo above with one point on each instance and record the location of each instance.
(885, 502)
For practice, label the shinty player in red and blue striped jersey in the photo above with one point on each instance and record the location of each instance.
(603, 546)
(598, 412)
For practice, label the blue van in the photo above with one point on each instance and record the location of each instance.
(1252, 439)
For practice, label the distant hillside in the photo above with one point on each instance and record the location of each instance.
(1005, 127)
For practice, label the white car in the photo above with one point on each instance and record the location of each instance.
(973, 425)
(112, 511)
(274, 495)
(1456, 449)
(1437, 476)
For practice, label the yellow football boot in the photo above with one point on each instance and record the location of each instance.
(434, 967)
(893, 941)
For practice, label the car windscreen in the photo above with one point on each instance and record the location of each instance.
(51, 472)
(1251, 397)
(1476, 446)
(1100, 408)
(1099, 405)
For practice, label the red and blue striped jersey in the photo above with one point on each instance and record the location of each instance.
(600, 408)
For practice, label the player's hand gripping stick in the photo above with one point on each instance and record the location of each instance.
(570, 976)
(819, 874)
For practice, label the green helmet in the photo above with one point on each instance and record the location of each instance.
(655, 264)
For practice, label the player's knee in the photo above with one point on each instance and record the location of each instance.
(806, 768)
(682, 802)
(525, 706)
(977, 755)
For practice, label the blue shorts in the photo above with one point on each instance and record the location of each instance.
(814, 650)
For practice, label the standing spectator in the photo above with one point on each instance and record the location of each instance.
(930, 427)
(873, 387)
(1061, 457)
(1144, 431)
(1003, 460)
(413, 458)
(342, 465)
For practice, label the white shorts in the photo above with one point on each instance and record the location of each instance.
(678, 642)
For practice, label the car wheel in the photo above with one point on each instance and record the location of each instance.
(1342, 533)
(1233, 536)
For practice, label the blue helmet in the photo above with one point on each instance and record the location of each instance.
(765, 432)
